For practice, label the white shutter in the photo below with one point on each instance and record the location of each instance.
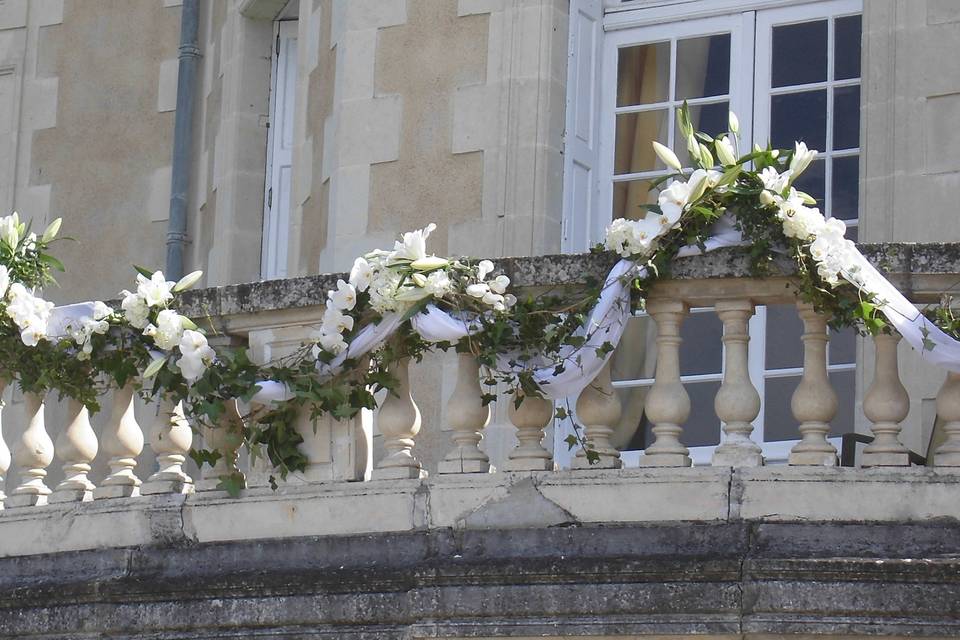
(276, 216)
(581, 137)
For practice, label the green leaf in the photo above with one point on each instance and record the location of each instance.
(53, 262)
(561, 413)
(146, 273)
(571, 441)
(233, 484)
(154, 368)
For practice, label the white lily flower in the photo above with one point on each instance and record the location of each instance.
(155, 291)
(413, 245)
(196, 355)
(802, 157)
(10, 230)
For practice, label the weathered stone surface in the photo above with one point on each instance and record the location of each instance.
(741, 579)
(904, 262)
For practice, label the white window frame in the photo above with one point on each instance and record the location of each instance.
(624, 25)
(276, 198)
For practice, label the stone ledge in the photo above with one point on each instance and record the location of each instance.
(662, 579)
(499, 501)
(909, 265)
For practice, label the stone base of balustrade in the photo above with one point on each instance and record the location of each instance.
(71, 495)
(528, 464)
(885, 459)
(461, 465)
(736, 457)
(398, 473)
(606, 461)
(813, 458)
(26, 500)
(666, 460)
(154, 487)
(116, 491)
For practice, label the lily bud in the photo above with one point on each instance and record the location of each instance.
(766, 198)
(668, 157)
(725, 151)
(429, 263)
(807, 198)
(734, 123)
(187, 281)
(51, 231)
(706, 158)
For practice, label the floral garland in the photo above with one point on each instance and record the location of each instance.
(402, 303)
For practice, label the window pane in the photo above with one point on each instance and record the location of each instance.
(643, 74)
(799, 116)
(711, 119)
(703, 427)
(799, 53)
(813, 181)
(628, 196)
(847, 47)
(846, 172)
(635, 131)
(846, 117)
(843, 346)
(784, 328)
(703, 66)
(778, 420)
(844, 385)
(702, 348)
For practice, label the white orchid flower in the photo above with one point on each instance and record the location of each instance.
(344, 298)
(484, 268)
(361, 274)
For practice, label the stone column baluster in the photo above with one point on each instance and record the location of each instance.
(32, 454)
(4, 450)
(598, 408)
(76, 447)
(948, 410)
(814, 402)
(227, 438)
(531, 418)
(123, 442)
(399, 422)
(468, 416)
(667, 405)
(886, 404)
(170, 438)
(737, 403)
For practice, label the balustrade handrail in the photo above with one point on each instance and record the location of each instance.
(721, 279)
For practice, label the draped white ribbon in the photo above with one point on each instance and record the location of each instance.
(605, 323)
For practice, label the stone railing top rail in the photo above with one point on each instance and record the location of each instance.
(920, 270)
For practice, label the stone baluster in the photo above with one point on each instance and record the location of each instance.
(948, 410)
(737, 403)
(32, 454)
(468, 416)
(170, 438)
(530, 418)
(814, 403)
(399, 422)
(598, 408)
(226, 438)
(123, 442)
(886, 404)
(4, 450)
(667, 405)
(77, 447)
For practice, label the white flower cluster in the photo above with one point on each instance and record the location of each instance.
(394, 280)
(639, 237)
(29, 312)
(82, 329)
(169, 330)
(491, 292)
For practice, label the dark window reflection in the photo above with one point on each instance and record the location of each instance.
(847, 48)
(846, 117)
(813, 182)
(846, 192)
(799, 116)
(799, 53)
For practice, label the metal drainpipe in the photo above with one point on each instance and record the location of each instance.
(182, 138)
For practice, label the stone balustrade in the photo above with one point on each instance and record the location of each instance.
(271, 317)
